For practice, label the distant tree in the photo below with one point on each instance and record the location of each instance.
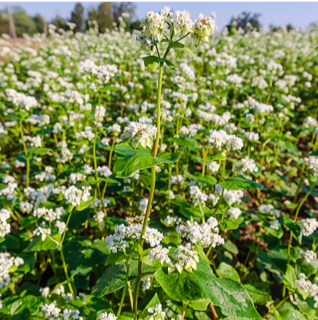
(91, 16)
(287, 28)
(290, 27)
(245, 21)
(273, 28)
(105, 16)
(23, 23)
(39, 23)
(78, 17)
(135, 25)
(60, 22)
(123, 7)
(4, 23)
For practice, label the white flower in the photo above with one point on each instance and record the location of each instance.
(203, 28)
(245, 165)
(213, 166)
(6, 262)
(106, 316)
(100, 112)
(51, 310)
(115, 128)
(204, 235)
(230, 196)
(45, 292)
(234, 212)
(42, 231)
(74, 196)
(198, 196)
(100, 72)
(61, 226)
(143, 203)
(123, 234)
(310, 255)
(183, 258)
(309, 226)
(141, 133)
(159, 253)
(176, 179)
(221, 140)
(312, 164)
(274, 224)
(103, 171)
(156, 313)
(4, 226)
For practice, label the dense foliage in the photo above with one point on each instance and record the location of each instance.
(176, 179)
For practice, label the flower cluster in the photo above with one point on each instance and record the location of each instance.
(309, 226)
(156, 26)
(205, 234)
(75, 196)
(119, 241)
(198, 196)
(103, 73)
(312, 164)
(6, 262)
(220, 140)
(4, 225)
(141, 133)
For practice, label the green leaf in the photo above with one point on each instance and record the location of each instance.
(38, 245)
(187, 142)
(134, 160)
(189, 210)
(16, 305)
(241, 183)
(226, 271)
(314, 153)
(214, 157)
(208, 180)
(200, 305)
(39, 151)
(127, 316)
(290, 278)
(84, 205)
(171, 65)
(231, 247)
(152, 63)
(229, 295)
(152, 303)
(307, 268)
(113, 278)
(179, 45)
(258, 296)
(293, 226)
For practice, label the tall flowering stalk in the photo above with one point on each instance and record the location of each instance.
(165, 27)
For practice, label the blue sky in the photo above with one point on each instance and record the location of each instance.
(299, 14)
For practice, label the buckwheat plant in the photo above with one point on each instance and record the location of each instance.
(172, 177)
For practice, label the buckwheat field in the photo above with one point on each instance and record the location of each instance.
(172, 177)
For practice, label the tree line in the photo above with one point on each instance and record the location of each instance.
(107, 16)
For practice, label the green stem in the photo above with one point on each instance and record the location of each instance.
(295, 218)
(152, 186)
(109, 166)
(62, 254)
(202, 214)
(277, 306)
(66, 273)
(125, 287)
(223, 170)
(184, 308)
(26, 155)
